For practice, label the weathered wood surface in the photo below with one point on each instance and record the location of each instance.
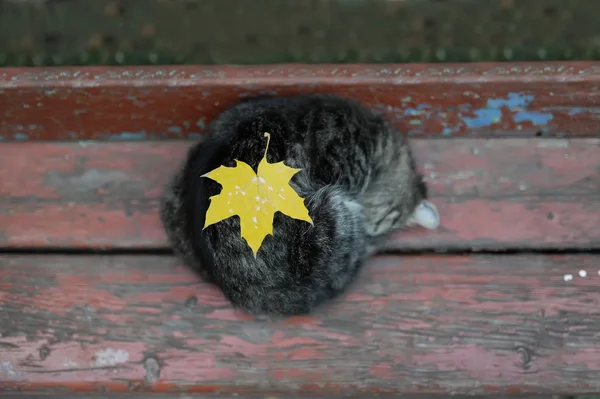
(491, 193)
(437, 324)
(527, 99)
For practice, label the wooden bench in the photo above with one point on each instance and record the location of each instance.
(493, 302)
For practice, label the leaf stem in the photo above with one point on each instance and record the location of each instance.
(268, 136)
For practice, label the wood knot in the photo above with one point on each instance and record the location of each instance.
(152, 370)
(525, 357)
(191, 302)
(44, 352)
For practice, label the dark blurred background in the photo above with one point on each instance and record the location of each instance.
(115, 32)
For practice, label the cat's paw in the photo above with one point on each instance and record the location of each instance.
(425, 215)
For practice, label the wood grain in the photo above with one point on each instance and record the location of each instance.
(437, 324)
(492, 194)
(138, 103)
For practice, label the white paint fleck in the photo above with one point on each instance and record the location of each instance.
(6, 369)
(281, 196)
(254, 220)
(110, 357)
(257, 198)
(237, 187)
(582, 273)
(230, 194)
(254, 179)
(522, 187)
(261, 179)
(462, 175)
(243, 193)
(231, 211)
(258, 208)
(270, 188)
(553, 143)
(568, 277)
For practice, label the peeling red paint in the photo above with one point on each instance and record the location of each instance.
(138, 103)
(449, 324)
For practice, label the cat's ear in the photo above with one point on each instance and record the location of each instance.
(425, 215)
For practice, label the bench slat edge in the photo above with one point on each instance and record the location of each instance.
(137, 103)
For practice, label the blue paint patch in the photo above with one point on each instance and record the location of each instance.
(514, 102)
(449, 130)
(420, 110)
(411, 112)
(20, 136)
(174, 129)
(576, 111)
(537, 118)
(483, 117)
(129, 136)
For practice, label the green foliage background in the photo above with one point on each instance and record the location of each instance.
(129, 32)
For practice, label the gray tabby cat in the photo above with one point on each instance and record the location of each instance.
(358, 179)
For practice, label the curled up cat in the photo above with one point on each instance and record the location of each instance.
(358, 179)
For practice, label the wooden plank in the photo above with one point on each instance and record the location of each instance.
(526, 99)
(429, 325)
(492, 194)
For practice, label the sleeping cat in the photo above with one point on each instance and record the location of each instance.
(358, 179)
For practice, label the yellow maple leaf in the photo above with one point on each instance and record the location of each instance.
(255, 197)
